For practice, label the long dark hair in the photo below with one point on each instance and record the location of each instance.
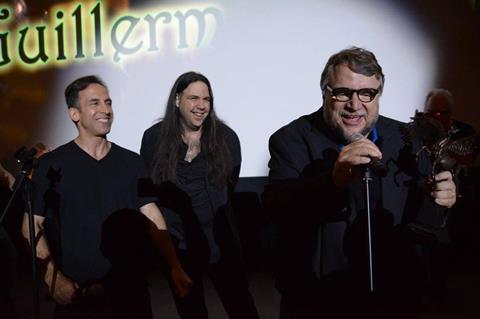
(213, 140)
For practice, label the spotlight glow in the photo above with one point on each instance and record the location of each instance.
(264, 62)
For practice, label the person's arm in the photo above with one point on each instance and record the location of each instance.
(162, 241)
(6, 178)
(62, 289)
(429, 206)
(300, 185)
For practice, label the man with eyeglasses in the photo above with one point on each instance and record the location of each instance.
(316, 198)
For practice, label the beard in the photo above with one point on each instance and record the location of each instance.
(339, 132)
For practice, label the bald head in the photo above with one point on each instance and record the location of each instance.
(439, 100)
(439, 105)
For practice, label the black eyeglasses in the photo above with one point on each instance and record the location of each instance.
(346, 94)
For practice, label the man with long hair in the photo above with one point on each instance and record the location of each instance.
(195, 160)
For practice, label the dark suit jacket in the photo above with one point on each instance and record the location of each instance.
(321, 228)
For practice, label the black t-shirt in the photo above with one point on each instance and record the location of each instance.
(192, 179)
(76, 193)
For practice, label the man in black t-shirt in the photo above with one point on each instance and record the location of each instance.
(76, 187)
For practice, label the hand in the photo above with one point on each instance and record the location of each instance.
(356, 153)
(443, 189)
(63, 290)
(181, 282)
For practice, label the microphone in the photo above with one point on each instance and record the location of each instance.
(375, 165)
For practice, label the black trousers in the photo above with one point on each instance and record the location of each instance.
(230, 281)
